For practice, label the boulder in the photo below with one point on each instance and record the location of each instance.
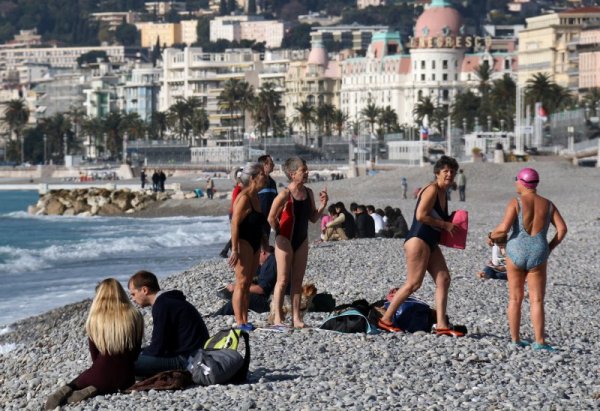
(33, 210)
(178, 196)
(122, 199)
(189, 196)
(85, 214)
(69, 212)
(55, 207)
(80, 206)
(109, 210)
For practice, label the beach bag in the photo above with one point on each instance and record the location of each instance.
(322, 303)
(458, 239)
(413, 315)
(349, 321)
(221, 365)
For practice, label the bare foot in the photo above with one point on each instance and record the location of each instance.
(481, 275)
(298, 324)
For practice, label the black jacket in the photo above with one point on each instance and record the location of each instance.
(349, 224)
(365, 226)
(178, 327)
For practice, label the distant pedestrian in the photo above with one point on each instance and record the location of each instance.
(162, 177)
(461, 182)
(210, 188)
(404, 185)
(143, 178)
(155, 181)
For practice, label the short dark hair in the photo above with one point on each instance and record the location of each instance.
(144, 279)
(353, 206)
(370, 209)
(341, 205)
(263, 159)
(445, 161)
(360, 208)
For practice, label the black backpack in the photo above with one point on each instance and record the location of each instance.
(220, 362)
(350, 318)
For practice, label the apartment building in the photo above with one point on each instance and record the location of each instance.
(353, 36)
(544, 45)
(191, 72)
(236, 28)
(141, 90)
(113, 19)
(587, 47)
(167, 34)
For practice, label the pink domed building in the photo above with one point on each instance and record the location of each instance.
(437, 62)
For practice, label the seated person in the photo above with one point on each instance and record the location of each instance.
(496, 267)
(365, 225)
(327, 218)
(178, 330)
(377, 218)
(334, 230)
(261, 290)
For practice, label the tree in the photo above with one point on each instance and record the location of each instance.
(466, 107)
(540, 88)
(229, 98)
(591, 99)
(339, 119)
(155, 55)
(158, 124)
(245, 97)
(179, 115)
(251, 7)
(266, 106)
(306, 115)
(297, 37)
(91, 57)
(16, 115)
(371, 113)
(127, 34)
(424, 107)
(324, 117)
(134, 125)
(93, 128)
(55, 128)
(112, 126)
(199, 122)
(484, 72)
(502, 99)
(388, 119)
(223, 10)
(203, 31)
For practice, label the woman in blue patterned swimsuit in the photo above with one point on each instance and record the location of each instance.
(527, 251)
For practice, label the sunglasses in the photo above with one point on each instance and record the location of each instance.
(528, 182)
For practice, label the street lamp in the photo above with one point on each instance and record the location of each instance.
(125, 138)
(489, 123)
(66, 149)
(464, 125)
(502, 124)
(45, 148)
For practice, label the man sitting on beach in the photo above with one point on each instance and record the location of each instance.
(261, 291)
(178, 330)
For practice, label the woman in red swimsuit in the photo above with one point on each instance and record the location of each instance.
(290, 213)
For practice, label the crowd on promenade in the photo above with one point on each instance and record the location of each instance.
(115, 327)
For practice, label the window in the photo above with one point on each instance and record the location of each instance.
(433, 77)
(433, 64)
(422, 77)
(422, 64)
(445, 64)
(445, 77)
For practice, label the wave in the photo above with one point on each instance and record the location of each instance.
(6, 348)
(116, 240)
(5, 330)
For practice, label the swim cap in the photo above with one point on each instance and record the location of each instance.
(528, 177)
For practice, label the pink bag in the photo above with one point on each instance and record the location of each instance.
(458, 239)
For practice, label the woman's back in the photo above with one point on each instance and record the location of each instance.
(534, 210)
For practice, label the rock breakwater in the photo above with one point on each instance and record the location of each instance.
(101, 201)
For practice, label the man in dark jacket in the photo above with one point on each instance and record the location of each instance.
(178, 329)
(349, 223)
(365, 225)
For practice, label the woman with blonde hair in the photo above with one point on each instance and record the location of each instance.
(247, 239)
(115, 329)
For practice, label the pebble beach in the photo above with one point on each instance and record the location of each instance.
(312, 369)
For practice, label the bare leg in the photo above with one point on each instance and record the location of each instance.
(243, 278)
(439, 272)
(298, 269)
(283, 257)
(516, 291)
(536, 283)
(417, 258)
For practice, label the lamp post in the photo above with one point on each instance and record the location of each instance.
(489, 124)
(464, 125)
(45, 148)
(502, 124)
(65, 147)
(105, 144)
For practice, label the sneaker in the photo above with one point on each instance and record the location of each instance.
(545, 347)
(519, 343)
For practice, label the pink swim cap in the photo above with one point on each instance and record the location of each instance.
(528, 177)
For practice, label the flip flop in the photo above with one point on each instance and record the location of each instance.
(449, 331)
(389, 327)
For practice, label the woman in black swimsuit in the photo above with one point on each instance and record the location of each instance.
(422, 250)
(246, 239)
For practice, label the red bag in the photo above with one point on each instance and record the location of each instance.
(458, 239)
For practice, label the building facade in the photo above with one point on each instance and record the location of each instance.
(440, 62)
(544, 45)
(237, 28)
(588, 56)
(353, 36)
(141, 90)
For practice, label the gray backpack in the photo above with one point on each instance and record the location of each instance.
(220, 366)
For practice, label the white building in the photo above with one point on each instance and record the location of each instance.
(141, 90)
(237, 28)
(440, 63)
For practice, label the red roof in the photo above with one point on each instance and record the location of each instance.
(584, 10)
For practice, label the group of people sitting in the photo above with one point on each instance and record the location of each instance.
(362, 222)
(115, 328)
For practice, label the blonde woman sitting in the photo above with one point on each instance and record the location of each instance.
(114, 328)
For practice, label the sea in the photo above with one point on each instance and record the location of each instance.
(49, 261)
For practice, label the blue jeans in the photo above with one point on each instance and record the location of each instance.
(147, 366)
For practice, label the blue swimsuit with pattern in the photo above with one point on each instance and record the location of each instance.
(524, 250)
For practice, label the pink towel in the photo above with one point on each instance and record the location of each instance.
(459, 238)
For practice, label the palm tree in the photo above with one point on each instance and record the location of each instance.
(339, 119)
(466, 107)
(306, 115)
(267, 104)
(245, 97)
(591, 99)
(55, 128)
(134, 125)
(324, 117)
(16, 115)
(424, 107)
(113, 128)
(93, 128)
(229, 99)
(199, 122)
(502, 98)
(484, 72)
(371, 114)
(158, 124)
(388, 119)
(178, 116)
